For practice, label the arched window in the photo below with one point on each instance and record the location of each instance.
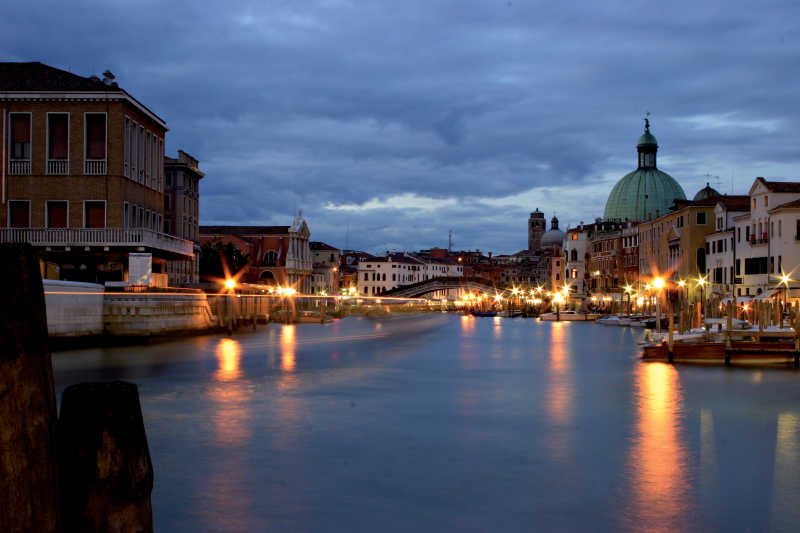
(270, 258)
(574, 255)
(384, 276)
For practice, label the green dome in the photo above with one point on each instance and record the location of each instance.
(643, 194)
(647, 139)
(705, 193)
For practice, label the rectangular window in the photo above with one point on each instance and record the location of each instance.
(746, 233)
(772, 264)
(738, 267)
(20, 135)
(766, 201)
(94, 214)
(701, 219)
(95, 136)
(57, 136)
(755, 265)
(57, 213)
(19, 213)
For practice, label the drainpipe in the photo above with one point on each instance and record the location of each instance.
(3, 161)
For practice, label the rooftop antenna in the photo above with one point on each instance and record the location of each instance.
(450, 241)
(347, 237)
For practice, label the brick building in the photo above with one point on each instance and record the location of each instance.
(81, 173)
(278, 255)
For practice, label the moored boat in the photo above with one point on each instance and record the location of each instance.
(483, 313)
(568, 316)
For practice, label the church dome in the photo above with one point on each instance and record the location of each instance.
(553, 237)
(705, 193)
(647, 192)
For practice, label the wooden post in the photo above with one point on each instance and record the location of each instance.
(671, 325)
(28, 470)
(106, 473)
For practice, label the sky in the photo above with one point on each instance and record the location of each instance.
(392, 123)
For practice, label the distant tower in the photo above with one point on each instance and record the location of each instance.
(536, 228)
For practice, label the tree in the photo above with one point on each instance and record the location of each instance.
(214, 256)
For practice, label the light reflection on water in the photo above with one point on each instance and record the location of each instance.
(659, 491)
(455, 422)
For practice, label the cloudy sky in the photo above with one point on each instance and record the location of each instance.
(391, 122)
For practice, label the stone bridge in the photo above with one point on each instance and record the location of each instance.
(451, 285)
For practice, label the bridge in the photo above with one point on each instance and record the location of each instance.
(444, 286)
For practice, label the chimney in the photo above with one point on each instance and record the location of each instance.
(108, 77)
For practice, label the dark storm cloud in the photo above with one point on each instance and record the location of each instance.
(401, 120)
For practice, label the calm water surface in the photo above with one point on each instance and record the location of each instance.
(445, 422)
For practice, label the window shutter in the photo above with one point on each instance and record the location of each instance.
(56, 214)
(95, 214)
(21, 128)
(58, 136)
(20, 214)
(95, 136)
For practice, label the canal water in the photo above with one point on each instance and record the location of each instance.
(455, 423)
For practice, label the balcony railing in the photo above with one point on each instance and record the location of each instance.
(94, 167)
(57, 167)
(19, 167)
(139, 237)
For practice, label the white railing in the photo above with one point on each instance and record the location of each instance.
(94, 167)
(19, 167)
(137, 238)
(57, 167)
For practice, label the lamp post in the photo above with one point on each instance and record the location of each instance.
(658, 284)
(785, 282)
(701, 282)
(558, 299)
(628, 290)
(230, 285)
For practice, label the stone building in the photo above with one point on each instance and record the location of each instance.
(82, 176)
(182, 213)
(279, 255)
(326, 262)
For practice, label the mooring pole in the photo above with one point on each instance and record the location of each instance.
(106, 473)
(28, 469)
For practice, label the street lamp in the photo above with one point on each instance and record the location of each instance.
(558, 299)
(785, 282)
(701, 282)
(658, 284)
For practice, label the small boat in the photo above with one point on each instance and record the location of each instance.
(611, 320)
(567, 316)
(483, 313)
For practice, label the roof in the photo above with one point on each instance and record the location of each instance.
(317, 245)
(34, 76)
(645, 193)
(244, 230)
(795, 204)
(780, 186)
(706, 192)
(735, 202)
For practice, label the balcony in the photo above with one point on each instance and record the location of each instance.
(82, 237)
(19, 167)
(57, 167)
(94, 167)
(763, 240)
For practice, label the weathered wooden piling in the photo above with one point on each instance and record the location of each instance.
(28, 470)
(106, 473)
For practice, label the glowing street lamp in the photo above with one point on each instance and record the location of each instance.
(230, 284)
(785, 279)
(658, 284)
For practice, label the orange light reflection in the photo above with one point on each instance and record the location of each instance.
(288, 345)
(558, 395)
(660, 485)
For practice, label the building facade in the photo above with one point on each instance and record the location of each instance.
(278, 255)
(82, 176)
(182, 213)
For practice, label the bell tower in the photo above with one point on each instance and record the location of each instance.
(536, 228)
